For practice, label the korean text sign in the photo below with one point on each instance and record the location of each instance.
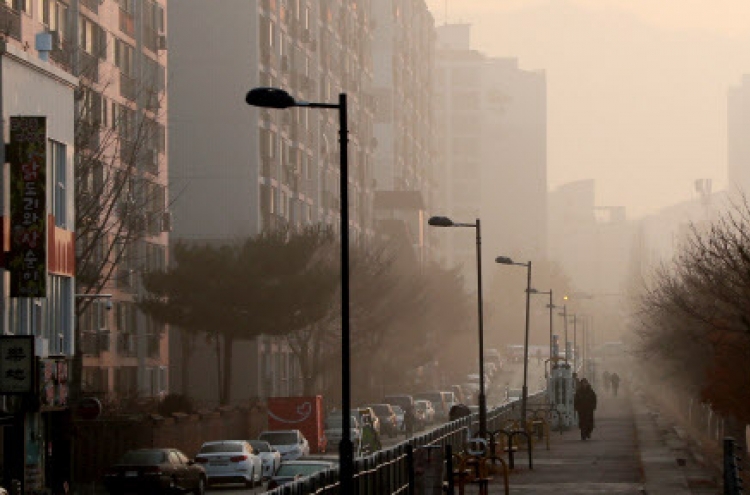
(28, 206)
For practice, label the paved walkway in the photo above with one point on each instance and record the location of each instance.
(631, 452)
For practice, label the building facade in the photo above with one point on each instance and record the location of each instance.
(95, 73)
(238, 170)
(404, 156)
(738, 146)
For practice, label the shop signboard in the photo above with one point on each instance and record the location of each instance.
(17, 364)
(27, 155)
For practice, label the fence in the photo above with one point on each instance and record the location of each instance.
(391, 470)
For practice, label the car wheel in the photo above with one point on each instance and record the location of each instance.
(200, 488)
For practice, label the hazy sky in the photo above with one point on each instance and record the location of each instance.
(636, 88)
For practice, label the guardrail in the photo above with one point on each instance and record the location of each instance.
(391, 470)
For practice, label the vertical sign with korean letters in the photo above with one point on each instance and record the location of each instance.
(28, 206)
(17, 364)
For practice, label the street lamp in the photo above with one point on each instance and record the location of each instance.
(504, 260)
(447, 222)
(551, 307)
(278, 98)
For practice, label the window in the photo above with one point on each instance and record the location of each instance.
(60, 182)
(124, 54)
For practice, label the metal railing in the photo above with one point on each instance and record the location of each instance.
(391, 470)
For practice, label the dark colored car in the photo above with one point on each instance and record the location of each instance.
(293, 470)
(155, 471)
(388, 420)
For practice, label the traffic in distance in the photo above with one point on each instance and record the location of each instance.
(280, 455)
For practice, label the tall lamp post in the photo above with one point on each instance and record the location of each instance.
(551, 307)
(278, 98)
(447, 222)
(504, 260)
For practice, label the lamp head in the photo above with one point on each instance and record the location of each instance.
(503, 260)
(269, 98)
(440, 222)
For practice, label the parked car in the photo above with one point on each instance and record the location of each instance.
(438, 402)
(425, 409)
(230, 461)
(403, 400)
(293, 470)
(291, 444)
(449, 398)
(368, 411)
(399, 417)
(269, 457)
(334, 431)
(155, 471)
(387, 418)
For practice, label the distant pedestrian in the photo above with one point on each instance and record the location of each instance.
(584, 403)
(615, 378)
(410, 420)
(607, 381)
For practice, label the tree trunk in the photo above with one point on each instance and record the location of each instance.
(187, 340)
(219, 381)
(227, 378)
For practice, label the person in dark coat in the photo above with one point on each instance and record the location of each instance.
(615, 379)
(585, 405)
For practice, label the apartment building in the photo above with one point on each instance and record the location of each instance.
(86, 79)
(237, 170)
(738, 147)
(404, 158)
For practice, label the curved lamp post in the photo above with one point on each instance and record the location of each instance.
(278, 98)
(504, 260)
(447, 222)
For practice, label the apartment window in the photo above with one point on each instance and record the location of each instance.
(124, 55)
(60, 181)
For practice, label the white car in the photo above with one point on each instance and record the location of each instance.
(230, 461)
(291, 444)
(269, 457)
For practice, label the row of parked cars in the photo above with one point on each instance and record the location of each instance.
(225, 461)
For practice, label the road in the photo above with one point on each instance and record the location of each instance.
(510, 377)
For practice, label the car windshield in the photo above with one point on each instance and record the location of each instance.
(306, 469)
(279, 437)
(211, 448)
(260, 446)
(143, 457)
(420, 404)
(397, 409)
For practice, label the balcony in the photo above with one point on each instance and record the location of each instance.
(127, 345)
(89, 64)
(10, 21)
(127, 87)
(93, 343)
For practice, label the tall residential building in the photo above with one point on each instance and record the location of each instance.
(514, 164)
(93, 72)
(459, 86)
(237, 170)
(738, 145)
(404, 158)
(492, 135)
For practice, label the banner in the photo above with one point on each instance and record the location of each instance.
(28, 206)
(17, 364)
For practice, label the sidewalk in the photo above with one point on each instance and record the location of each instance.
(629, 453)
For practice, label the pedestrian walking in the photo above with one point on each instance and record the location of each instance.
(584, 403)
(615, 378)
(607, 381)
